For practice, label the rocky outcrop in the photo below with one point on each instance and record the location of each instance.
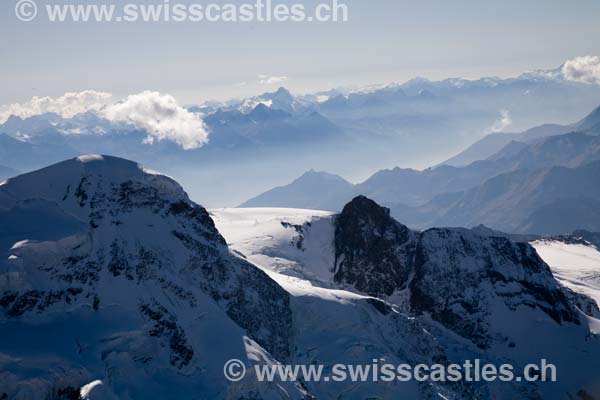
(459, 278)
(453, 275)
(373, 252)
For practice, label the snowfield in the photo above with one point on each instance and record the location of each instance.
(285, 243)
(576, 266)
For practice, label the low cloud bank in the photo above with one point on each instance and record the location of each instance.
(67, 105)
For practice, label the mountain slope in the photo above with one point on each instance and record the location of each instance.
(591, 121)
(524, 201)
(495, 142)
(482, 149)
(137, 280)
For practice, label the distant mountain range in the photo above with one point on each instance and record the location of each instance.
(25, 155)
(275, 136)
(35, 141)
(271, 127)
(525, 187)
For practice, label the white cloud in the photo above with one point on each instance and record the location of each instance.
(158, 114)
(584, 69)
(67, 105)
(161, 117)
(271, 80)
(501, 123)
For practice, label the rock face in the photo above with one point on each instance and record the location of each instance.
(459, 279)
(137, 245)
(456, 276)
(373, 252)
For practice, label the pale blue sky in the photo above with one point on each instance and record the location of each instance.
(384, 41)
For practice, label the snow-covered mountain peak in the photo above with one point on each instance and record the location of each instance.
(75, 183)
(137, 277)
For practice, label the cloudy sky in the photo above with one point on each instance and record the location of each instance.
(384, 41)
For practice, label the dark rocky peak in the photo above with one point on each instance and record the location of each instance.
(364, 211)
(372, 251)
(456, 276)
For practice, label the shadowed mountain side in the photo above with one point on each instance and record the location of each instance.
(494, 142)
(313, 190)
(550, 200)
